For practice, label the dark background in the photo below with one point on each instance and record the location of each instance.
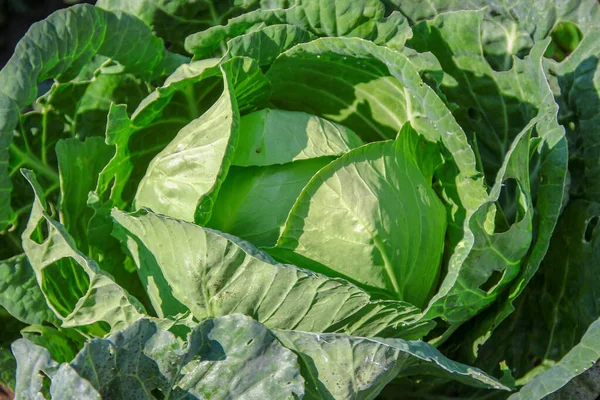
(17, 15)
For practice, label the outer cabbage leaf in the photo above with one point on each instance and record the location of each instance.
(365, 19)
(264, 45)
(170, 20)
(185, 266)
(493, 107)
(233, 357)
(509, 28)
(563, 292)
(581, 357)
(346, 81)
(229, 357)
(174, 20)
(63, 344)
(510, 113)
(350, 367)
(78, 292)
(76, 108)
(563, 298)
(576, 85)
(59, 47)
(584, 387)
(20, 294)
(82, 103)
(34, 365)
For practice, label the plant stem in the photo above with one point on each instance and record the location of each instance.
(44, 137)
(35, 163)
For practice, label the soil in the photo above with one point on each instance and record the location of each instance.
(6, 393)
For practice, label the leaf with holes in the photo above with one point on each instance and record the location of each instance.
(402, 193)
